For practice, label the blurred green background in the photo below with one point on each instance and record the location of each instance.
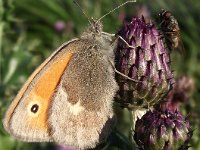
(31, 30)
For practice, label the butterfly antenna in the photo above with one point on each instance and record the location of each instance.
(133, 1)
(77, 4)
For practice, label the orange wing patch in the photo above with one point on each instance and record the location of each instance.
(45, 88)
(20, 94)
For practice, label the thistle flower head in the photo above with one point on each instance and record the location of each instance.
(59, 26)
(142, 57)
(162, 130)
(181, 92)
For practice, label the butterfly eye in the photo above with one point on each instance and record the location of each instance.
(34, 108)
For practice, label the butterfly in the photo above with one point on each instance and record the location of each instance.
(68, 99)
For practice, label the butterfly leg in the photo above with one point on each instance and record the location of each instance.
(113, 66)
(119, 37)
(118, 72)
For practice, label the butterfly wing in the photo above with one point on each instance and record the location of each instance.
(26, 118)
(81, 114)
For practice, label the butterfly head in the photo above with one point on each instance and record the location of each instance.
(96, 26)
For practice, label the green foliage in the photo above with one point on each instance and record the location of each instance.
(28, 36)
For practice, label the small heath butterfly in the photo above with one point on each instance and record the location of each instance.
(68, 98)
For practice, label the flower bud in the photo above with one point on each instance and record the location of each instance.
(181, 92)
(162, 130)
(142, 56)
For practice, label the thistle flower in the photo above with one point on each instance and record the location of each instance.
(162, 130)
(142, 57)
(180, 93)
(59, 26)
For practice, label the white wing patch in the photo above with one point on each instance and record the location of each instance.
(76, 108)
